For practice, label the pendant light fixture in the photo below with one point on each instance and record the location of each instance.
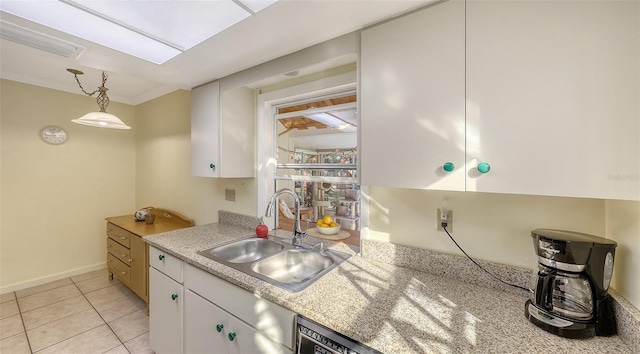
(100, 119)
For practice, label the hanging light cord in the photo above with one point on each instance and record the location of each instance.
(104, 81)
(481, 267)
(102, 99)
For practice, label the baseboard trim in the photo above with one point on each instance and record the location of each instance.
(49, 278)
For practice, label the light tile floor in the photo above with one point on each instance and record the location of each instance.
(87, 313)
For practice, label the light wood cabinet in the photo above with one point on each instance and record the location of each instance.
(222, 132)
(128, 254)
(545, 92)
(413, 100)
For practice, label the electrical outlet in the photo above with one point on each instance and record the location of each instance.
(230, 195)
(449, 220)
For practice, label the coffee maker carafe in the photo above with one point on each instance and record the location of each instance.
(574, 272)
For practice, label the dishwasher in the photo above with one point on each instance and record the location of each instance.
(313, 338)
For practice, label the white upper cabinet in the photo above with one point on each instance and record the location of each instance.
(546, 93)
(412, 100)
(222, 132)
(552, 97)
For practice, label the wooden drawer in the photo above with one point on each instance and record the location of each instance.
(166, 263)
(118, 234)
(119, 251)
(119, 270)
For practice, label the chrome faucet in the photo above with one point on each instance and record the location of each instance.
(298, 234)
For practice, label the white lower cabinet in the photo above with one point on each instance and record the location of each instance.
(206, 326)
(192, 311)
(246, 322)
(166, 301)
(209, 329)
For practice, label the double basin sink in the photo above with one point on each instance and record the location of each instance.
(284, 265)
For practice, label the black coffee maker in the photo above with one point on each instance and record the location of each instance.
(574, 272)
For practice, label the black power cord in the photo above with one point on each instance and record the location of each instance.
(444, 226)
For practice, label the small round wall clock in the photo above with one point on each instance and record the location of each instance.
(53, 135)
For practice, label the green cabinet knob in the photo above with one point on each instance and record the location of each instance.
(484, 167)
(232, 336)
(219, 328)
(212, 165)
(448, 166)
(174, 296)
(161, 257)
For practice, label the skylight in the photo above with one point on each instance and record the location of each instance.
(155, 31)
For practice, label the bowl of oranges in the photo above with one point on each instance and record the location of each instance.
(327, 226)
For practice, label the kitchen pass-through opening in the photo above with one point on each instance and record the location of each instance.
(316, 154)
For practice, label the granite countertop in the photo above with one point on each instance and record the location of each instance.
(390, 308)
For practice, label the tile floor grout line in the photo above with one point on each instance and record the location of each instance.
(83, 294)
(55, 302)
(41, 349)
(40, 292)
(88, 330)
(105, 322)
(23, 326)
(52, 303)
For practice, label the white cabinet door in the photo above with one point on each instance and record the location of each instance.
(222, 132)
(552, 97)
(237, 149)
(244, 339)
(209, 329)
(205, 130)
(165, 313)
(206, 326)
(273, 320)
(412, 104)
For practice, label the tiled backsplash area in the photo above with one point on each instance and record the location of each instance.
(461, 268)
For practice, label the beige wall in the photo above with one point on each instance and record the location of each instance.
(55, 198)
(492, 227)
(623, 226)
(497, 227)
(163, 165)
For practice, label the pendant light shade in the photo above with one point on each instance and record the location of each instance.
(100, 119)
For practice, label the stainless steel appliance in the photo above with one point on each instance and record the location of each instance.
(313, 338)
(570, 297)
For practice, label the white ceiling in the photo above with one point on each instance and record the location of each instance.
(282, 28)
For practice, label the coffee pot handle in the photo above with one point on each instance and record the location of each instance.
(544, 290)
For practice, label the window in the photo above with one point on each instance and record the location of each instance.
(316, 154)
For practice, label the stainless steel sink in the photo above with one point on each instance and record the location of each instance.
(292, 266)
(244, 251)
(278, 263)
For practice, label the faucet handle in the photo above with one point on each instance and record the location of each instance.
(307, 229)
